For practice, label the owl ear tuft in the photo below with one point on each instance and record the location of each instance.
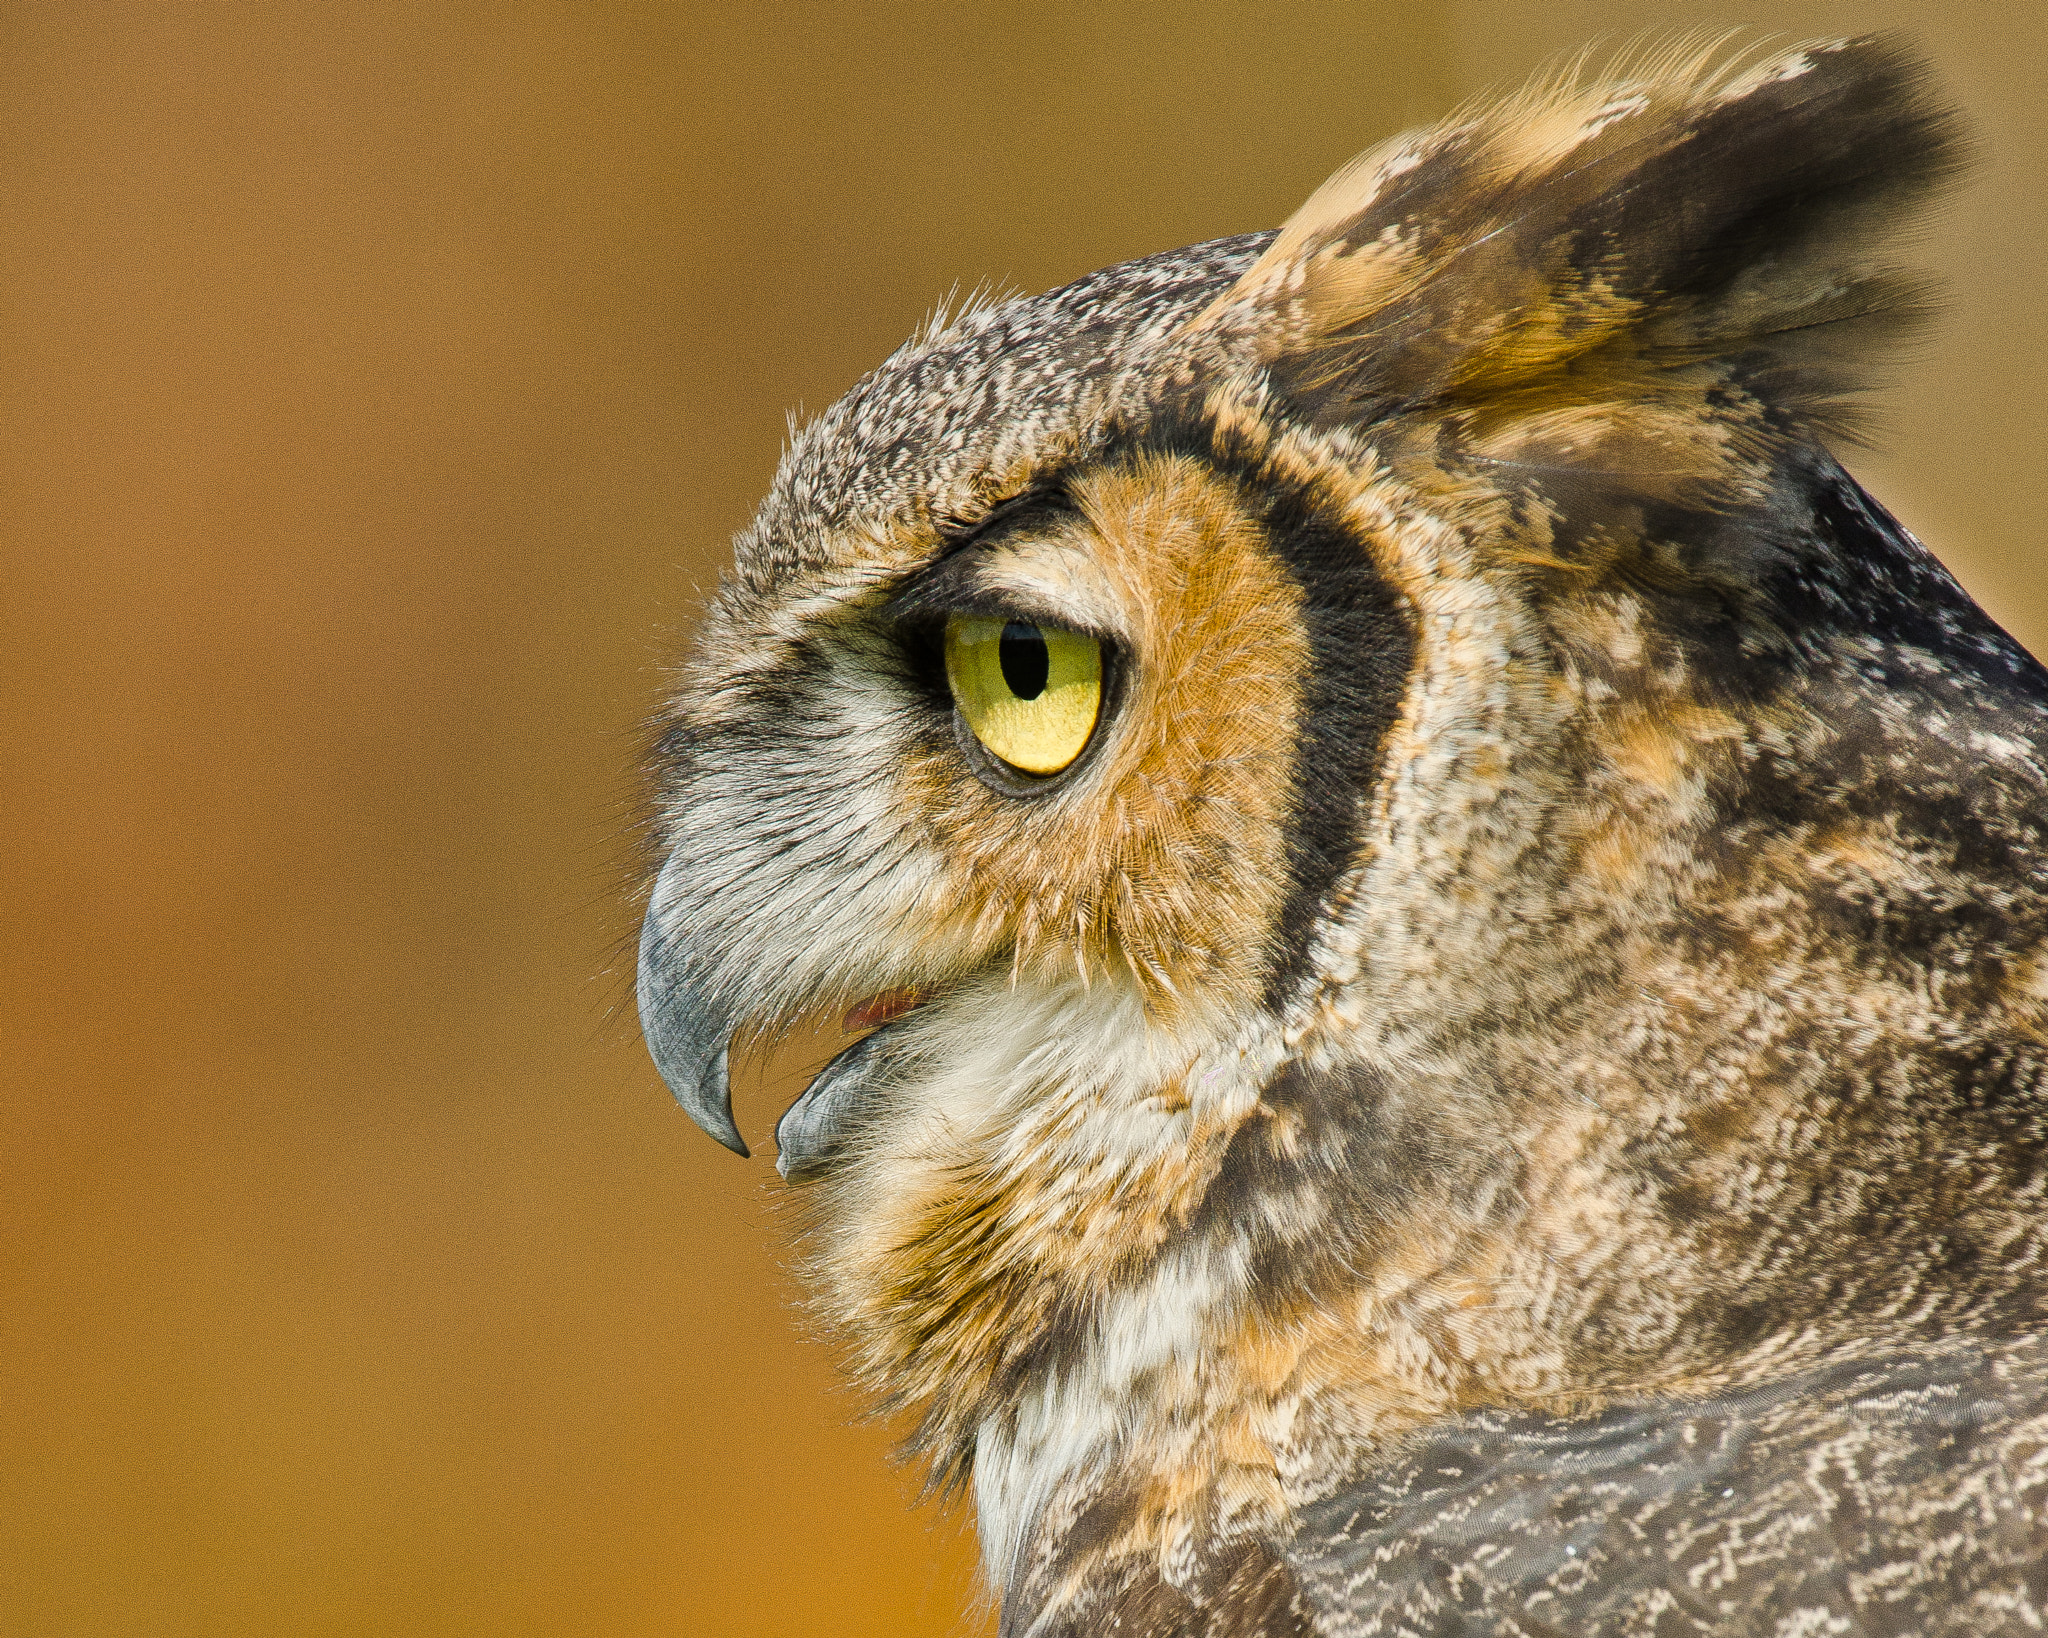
(1581, 241)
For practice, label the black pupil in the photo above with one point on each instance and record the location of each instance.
(1024, 660)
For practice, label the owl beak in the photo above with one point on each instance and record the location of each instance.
(808, 1135)
(687, 1029)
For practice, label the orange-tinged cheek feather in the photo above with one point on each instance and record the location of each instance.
(1166, 857)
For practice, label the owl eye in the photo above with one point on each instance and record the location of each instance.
(1029, 693)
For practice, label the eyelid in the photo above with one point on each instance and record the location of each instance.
(930, 614)
(950, 586)
(1045, 581)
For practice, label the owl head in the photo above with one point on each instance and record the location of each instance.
(1255, 724)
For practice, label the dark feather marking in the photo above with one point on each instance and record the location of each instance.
(1361, 648)
(1353, 1139)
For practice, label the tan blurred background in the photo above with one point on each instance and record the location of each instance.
(381, 385)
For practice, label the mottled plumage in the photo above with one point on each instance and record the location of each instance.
(1503, 1089)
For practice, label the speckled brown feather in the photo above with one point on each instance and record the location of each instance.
(1542, 964)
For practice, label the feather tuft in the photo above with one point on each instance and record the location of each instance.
(1584, 239)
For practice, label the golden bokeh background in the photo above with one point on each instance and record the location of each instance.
(382, 384)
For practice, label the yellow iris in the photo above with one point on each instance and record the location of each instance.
(1030, 693)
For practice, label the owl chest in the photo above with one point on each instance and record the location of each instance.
(1153, 1464)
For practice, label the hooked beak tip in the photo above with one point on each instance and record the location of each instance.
(695, 1072)
(733, 1141)
(687, 1033)
(692, 1062)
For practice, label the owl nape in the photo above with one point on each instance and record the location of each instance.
(1456, 917)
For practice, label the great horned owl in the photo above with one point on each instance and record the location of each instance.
(1457, 916)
